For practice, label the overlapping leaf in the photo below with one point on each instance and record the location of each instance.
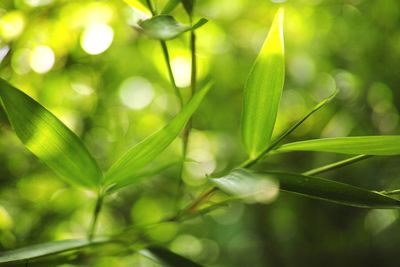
(144, 152)
(49, 139)
(263, 91)
(165, 27)
(367, 145)
(248, 186)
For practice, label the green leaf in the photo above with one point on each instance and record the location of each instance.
(188, 5)
(385, 145)
(49, 139)
(170, 6)
(165, 27)
(169, 258)
(248, 186)
(332, 191)
(137, 177)
(263, 91)
(130, 164)
(45, 249)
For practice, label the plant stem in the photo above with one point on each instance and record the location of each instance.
(281, 137)
(170, 73)
(188, 127)
(150, 6)
(336, 165)
(96, 212)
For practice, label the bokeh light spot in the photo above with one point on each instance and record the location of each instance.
(42, 59)
(136, 93)
(97, 38)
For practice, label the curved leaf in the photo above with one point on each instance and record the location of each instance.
(368, 145)
(263, 91)
(165, 27)
(144, 152)
(332, 191)
(45, 249)
(248, 186)
(49, 139)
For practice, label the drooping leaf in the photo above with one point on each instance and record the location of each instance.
(386, 145)
(263, 91)
(165, 27)
(45, 249)
(332, 191)
(144, 152)
(49, 139)
(170, 6)
(248, 186)
(188, 5)
(169, 258)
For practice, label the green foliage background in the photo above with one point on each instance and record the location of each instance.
(349, 44)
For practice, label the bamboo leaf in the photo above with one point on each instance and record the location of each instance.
(385, 145)
(165, 27)
(333, 191)
(263, 91)
(49, 139)
(144, 152)
(45, 249)
(169, 258)
(248, 186)
(170, 6)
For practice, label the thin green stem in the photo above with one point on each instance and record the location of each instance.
(170, 73)
(188, 127)
(281, 137)
(391, 192)
(336, 165)
(150, 6)
(96, 212)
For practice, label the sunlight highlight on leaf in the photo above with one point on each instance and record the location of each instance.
(49, 139)
(263, 91)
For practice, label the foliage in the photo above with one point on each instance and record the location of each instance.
(155, 171)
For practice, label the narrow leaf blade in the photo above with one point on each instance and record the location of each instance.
(248, 186)
(368, 145)
(49, 139)
(170, 258)
(263, 91)
(333, 191)
(144, 152)
(44, 249)
(165, 27)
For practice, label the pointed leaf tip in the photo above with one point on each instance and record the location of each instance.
(263, 90)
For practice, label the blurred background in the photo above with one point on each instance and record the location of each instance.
(85, 62)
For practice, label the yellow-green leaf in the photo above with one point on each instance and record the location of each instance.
(366, 145)
(130, 164)
(263, 91)
(49, 139)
